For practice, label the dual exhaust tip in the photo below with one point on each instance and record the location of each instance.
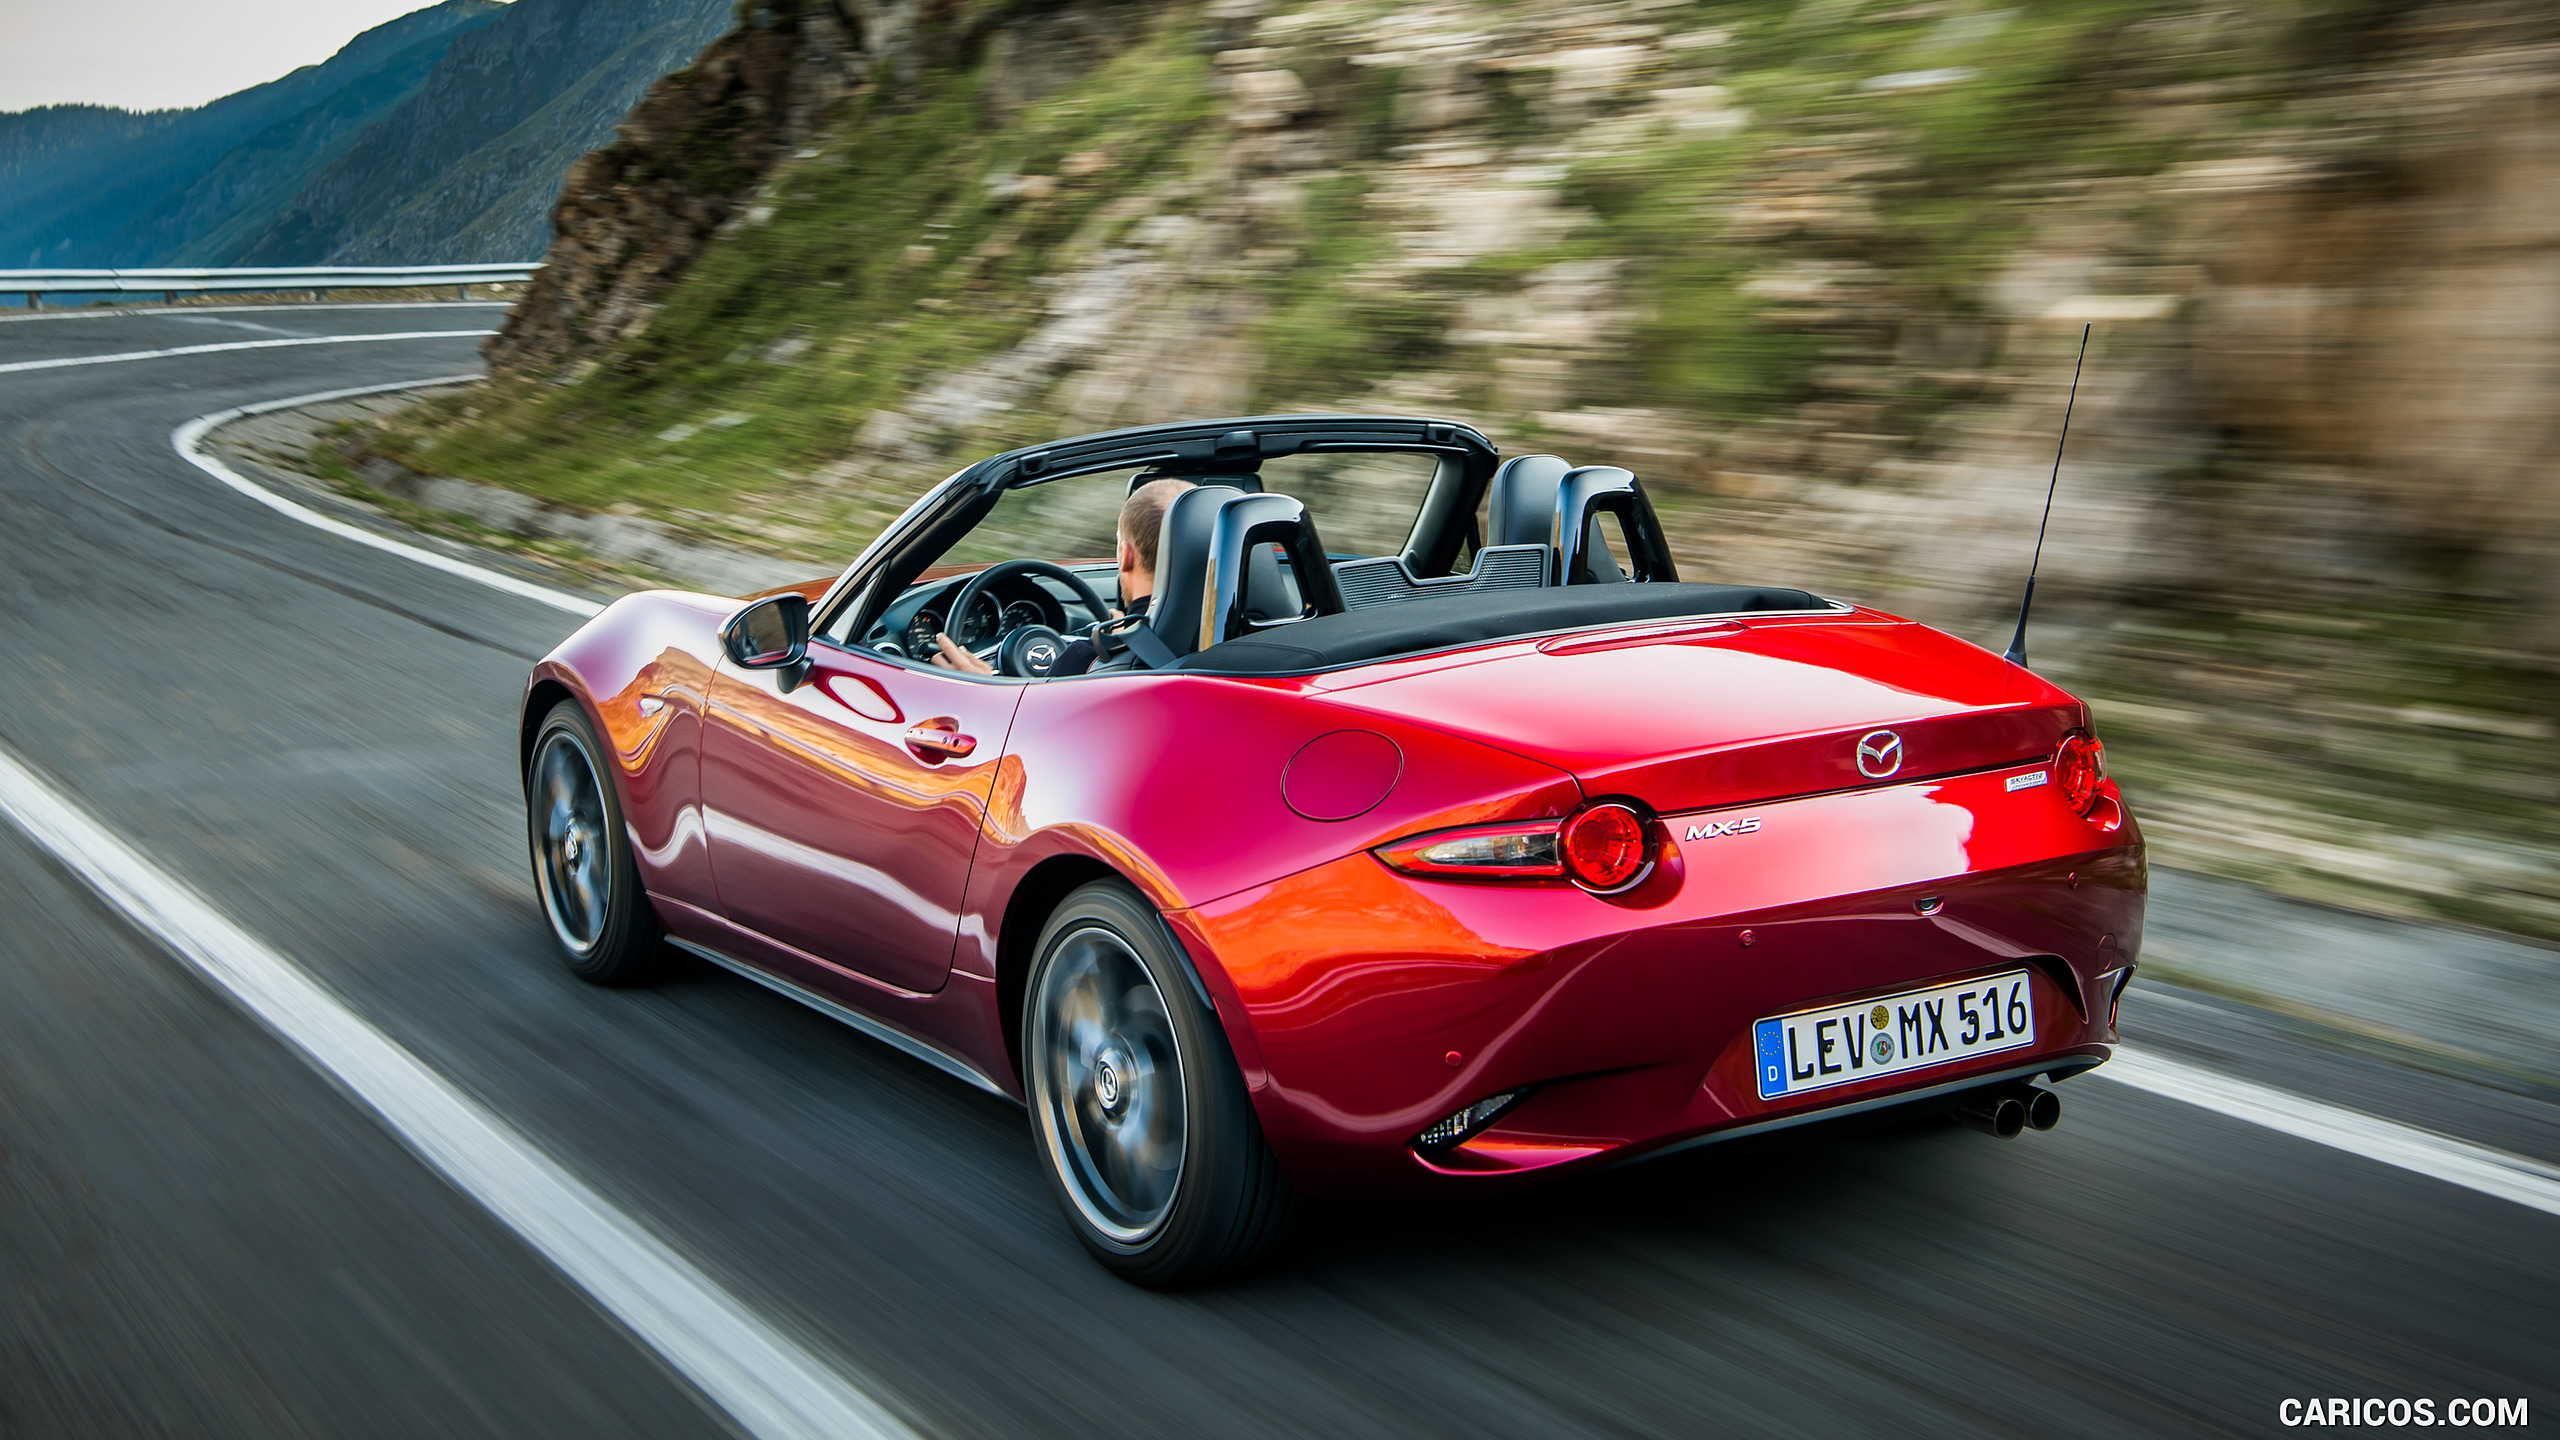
(2004, 1110)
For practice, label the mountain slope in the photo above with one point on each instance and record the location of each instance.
(39, 147)
(96, 187)
(467, 166)
(440, 137)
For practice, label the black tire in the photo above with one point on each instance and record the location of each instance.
(583, 874)
(1138, 1109)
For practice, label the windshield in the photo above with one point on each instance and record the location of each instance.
(1364, 503)
(1057, 520)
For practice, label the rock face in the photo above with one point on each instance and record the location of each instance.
(2392, 323)
(633, 216)
(1817, 273)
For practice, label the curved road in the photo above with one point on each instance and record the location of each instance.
(200, 1235)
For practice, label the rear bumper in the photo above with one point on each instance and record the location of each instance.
(1377, 1003)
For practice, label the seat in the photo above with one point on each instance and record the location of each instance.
(1248, 588)
(1228, 564)
(1540, 500)
(1585, 494)
(1270, 588)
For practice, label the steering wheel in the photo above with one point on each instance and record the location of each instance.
(1021, 651)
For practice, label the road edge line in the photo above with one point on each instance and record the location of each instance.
(188, 439)
(2516, 1178)
(74, 362)
(768, 1383)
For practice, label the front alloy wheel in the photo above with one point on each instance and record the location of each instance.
(1136, 1103)
(582, 865)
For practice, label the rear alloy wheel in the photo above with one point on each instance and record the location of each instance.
(582, 864)
(1137, 1105)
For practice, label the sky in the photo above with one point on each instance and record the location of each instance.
(156, 54)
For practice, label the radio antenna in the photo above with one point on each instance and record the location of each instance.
(2018, 643)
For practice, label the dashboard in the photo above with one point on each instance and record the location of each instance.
(907, 628)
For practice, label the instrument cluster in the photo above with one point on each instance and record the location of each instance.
(988, 621)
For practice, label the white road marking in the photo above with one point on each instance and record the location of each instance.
(768, 1383)
(68, 362)
(2525, 1181)
(187, 440)
(229, 322)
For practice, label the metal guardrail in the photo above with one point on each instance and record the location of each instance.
(170, 284)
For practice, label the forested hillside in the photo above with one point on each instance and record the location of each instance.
(93, 187)
(1816, 269)
(467, 167)
(439, 137)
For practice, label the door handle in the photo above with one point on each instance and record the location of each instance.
(933, 742)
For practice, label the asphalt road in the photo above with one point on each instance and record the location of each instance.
(201, 1236)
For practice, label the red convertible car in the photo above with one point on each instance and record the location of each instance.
(1426, 834)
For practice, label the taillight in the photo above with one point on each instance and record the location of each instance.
(2077, 768)
(1605, 847)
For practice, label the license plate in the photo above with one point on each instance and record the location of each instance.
(1843, 1044)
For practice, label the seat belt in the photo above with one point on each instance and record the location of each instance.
(1139, 639)
(1150, 648)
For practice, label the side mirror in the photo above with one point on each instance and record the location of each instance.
(771, 634)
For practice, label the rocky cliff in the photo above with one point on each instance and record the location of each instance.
(631, 218)
(1817, 270)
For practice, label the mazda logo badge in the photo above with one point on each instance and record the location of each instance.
(1879, 754)
(1041, 657)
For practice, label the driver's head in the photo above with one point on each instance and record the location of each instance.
(1141, 528)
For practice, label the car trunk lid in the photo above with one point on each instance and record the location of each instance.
(1698, 715)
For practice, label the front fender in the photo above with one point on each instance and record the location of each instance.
(642, 671)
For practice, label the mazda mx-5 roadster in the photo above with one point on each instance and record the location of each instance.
(1424, 834)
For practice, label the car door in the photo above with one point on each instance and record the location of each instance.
(844, 811)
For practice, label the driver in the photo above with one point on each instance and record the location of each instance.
(1141, 527)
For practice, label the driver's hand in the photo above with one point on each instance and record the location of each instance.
(956, 656)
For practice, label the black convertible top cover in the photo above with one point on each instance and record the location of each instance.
(1446, 622)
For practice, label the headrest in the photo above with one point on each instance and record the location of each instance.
(1270, 594)
(1520, 503)
(1217, 575)
(1247, 583)
(1183, 558)
(1582, 496)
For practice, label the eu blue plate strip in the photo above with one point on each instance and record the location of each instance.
(1769, 1038)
